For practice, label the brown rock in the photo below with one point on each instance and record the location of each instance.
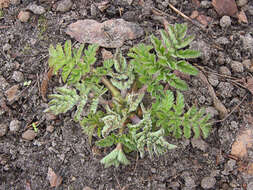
(29, 135)
(110, 34)
(225, 7)
(24, 16)
(12, 93)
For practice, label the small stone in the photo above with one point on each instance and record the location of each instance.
(50, 116)
(129, 16)
(36, 9)
(213, 79)
(205, 4)
(111, 10)
(208, 182)
(237, 66)
(241, 3)
(221, 58)
(247, 64)
(234, 125)
(212, 111)
(64, 5)
(12, 93)
(225, 71)
(222, 41)
(225, 89)
(199, 144)
(3, 129)
(247, 42)
(15, 2)
(153, 170)
(250, 10)
(24, 16)
(205, 49)
(14, 126)
(93, 10)
(202, 99)
(50, 128)
(6, 47)
(3, 83)
(29, 135)
(17, 76)
(189, 182)
(229, 166)
(225, 21)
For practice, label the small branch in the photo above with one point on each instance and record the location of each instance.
(115, 92)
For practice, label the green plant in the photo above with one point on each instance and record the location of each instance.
(108, 99)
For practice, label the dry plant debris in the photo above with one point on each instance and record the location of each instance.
(110, 34)
(53, 178)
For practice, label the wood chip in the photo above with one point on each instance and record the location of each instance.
(44, 85)
(225, 7)
(54, 179)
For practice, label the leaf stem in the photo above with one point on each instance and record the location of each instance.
(115, 92)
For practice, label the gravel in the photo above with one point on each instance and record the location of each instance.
(24, 16)
(14, 126)
(3, 129)
(36, 9)
(224, 71)
(64, 5)
(225, 89)
(18, 76)
(237, 66)
(208, 182)
(213, 79)
(225, 21)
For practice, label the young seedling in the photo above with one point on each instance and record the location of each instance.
(108, 100)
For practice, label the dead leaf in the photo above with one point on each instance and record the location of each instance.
(249, 85)
(110, 34)
(12, 93)
(54, 179)
(44, 84)
(4, 3)
(106, 54)
(243, 141)
(242, 17)
(225, 7)
(194, 14)
(217, 103)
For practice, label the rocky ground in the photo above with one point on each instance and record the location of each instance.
(58, 153)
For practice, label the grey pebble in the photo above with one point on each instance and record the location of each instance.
(14, 126)
(205, 4)
(225, 71)
(205, 49)
(241, 3)
(247, 42)
(225, 89)
(93, 10)
(208, 182)
(18, 76)
(229, 166)
(213, 79)
(199, 144)
(6, 47)
(64, 5)
(36, 9)
(237, 66)
(3, 129)
(247, 63)
(222, 41)
(212, 111)
(225, 21)
(3, 83)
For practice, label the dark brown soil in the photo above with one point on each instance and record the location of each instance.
(23, 59)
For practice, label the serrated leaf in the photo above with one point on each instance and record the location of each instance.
(106, 142)
(177, 83)
(185, 67)
(185, 42)
(188, 53)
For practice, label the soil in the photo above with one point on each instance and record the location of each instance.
(60, 144)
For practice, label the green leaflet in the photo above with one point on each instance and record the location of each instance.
(171, 117)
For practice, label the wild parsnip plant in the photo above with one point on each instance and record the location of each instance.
(108, 100)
